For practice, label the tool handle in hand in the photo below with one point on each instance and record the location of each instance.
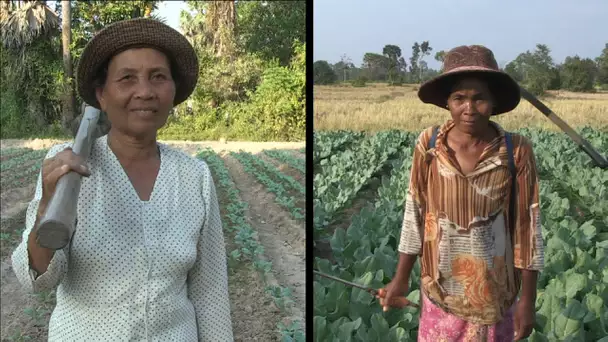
(58, 223)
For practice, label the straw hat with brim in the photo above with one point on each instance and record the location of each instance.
(137, 33)
(476, 61)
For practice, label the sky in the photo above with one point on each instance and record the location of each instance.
(170, 10)
(508, 28)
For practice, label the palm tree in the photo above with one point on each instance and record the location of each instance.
(5, 7)
(30, 20)
(23, 24)
(221, 22)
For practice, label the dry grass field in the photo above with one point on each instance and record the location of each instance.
(378, 107)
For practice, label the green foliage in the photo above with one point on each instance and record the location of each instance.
(602, 65)
(32, 82)
(274, 110)
(277, 107)
(88, 17)
(31, 88)
(376, 66)
(572, 302)
(245, 95)
(249, 249)
(254, 92)
(323, 73)
(578, 74)
(534, 70)
(360, 82)
(396, 64)
(270, 28)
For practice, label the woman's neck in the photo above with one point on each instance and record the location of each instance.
(129, 148)
(472, 139)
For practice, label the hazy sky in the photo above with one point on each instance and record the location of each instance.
(354, 27)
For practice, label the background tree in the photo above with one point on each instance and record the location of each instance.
(27, 22)
(30, 61)
(376, 66)
(69, 98)
(246, 93)
(414, 68)
(425, 50)
(440, 57)
(578, 74)
(270, 28)
(419, 51)
(343, 66)
(219, 26)
(535, 70)
(602, 66)
(323, 73)
(392, 54)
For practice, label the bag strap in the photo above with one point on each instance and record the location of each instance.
(433, 137)
(513, 171)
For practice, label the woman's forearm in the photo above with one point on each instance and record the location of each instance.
(528, 285)
(404, 267)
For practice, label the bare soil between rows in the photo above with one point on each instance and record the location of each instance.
(254, 315)
(284, 239)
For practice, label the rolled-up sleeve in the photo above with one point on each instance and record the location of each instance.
(20, 257)
(528, 247)
(208, 279)
(412, 230)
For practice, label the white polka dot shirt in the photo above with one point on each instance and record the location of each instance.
(137, 270)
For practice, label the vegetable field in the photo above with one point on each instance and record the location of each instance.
(261, 191)
(360, 185)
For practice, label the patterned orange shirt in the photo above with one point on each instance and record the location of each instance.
(457, 223)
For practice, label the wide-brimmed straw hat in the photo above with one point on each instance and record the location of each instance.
(135, 33)
(472, 60)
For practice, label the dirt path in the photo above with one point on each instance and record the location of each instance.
(283, 239)
(253, 311)
(254, 316)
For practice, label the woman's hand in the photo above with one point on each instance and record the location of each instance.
(524, 318)
(54, 168)
(393, 295)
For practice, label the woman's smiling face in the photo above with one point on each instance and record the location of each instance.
(138, 91)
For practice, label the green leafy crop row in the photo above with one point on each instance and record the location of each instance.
(341, 176)
(246, 238)
(287, 158)
(17, 160)
(572, 301)
(264, 175)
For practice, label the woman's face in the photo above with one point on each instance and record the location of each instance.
(138, 92)
(471, 105)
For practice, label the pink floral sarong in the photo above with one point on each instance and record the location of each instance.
(438, 326)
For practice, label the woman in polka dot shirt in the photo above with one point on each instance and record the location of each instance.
(147, 261)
